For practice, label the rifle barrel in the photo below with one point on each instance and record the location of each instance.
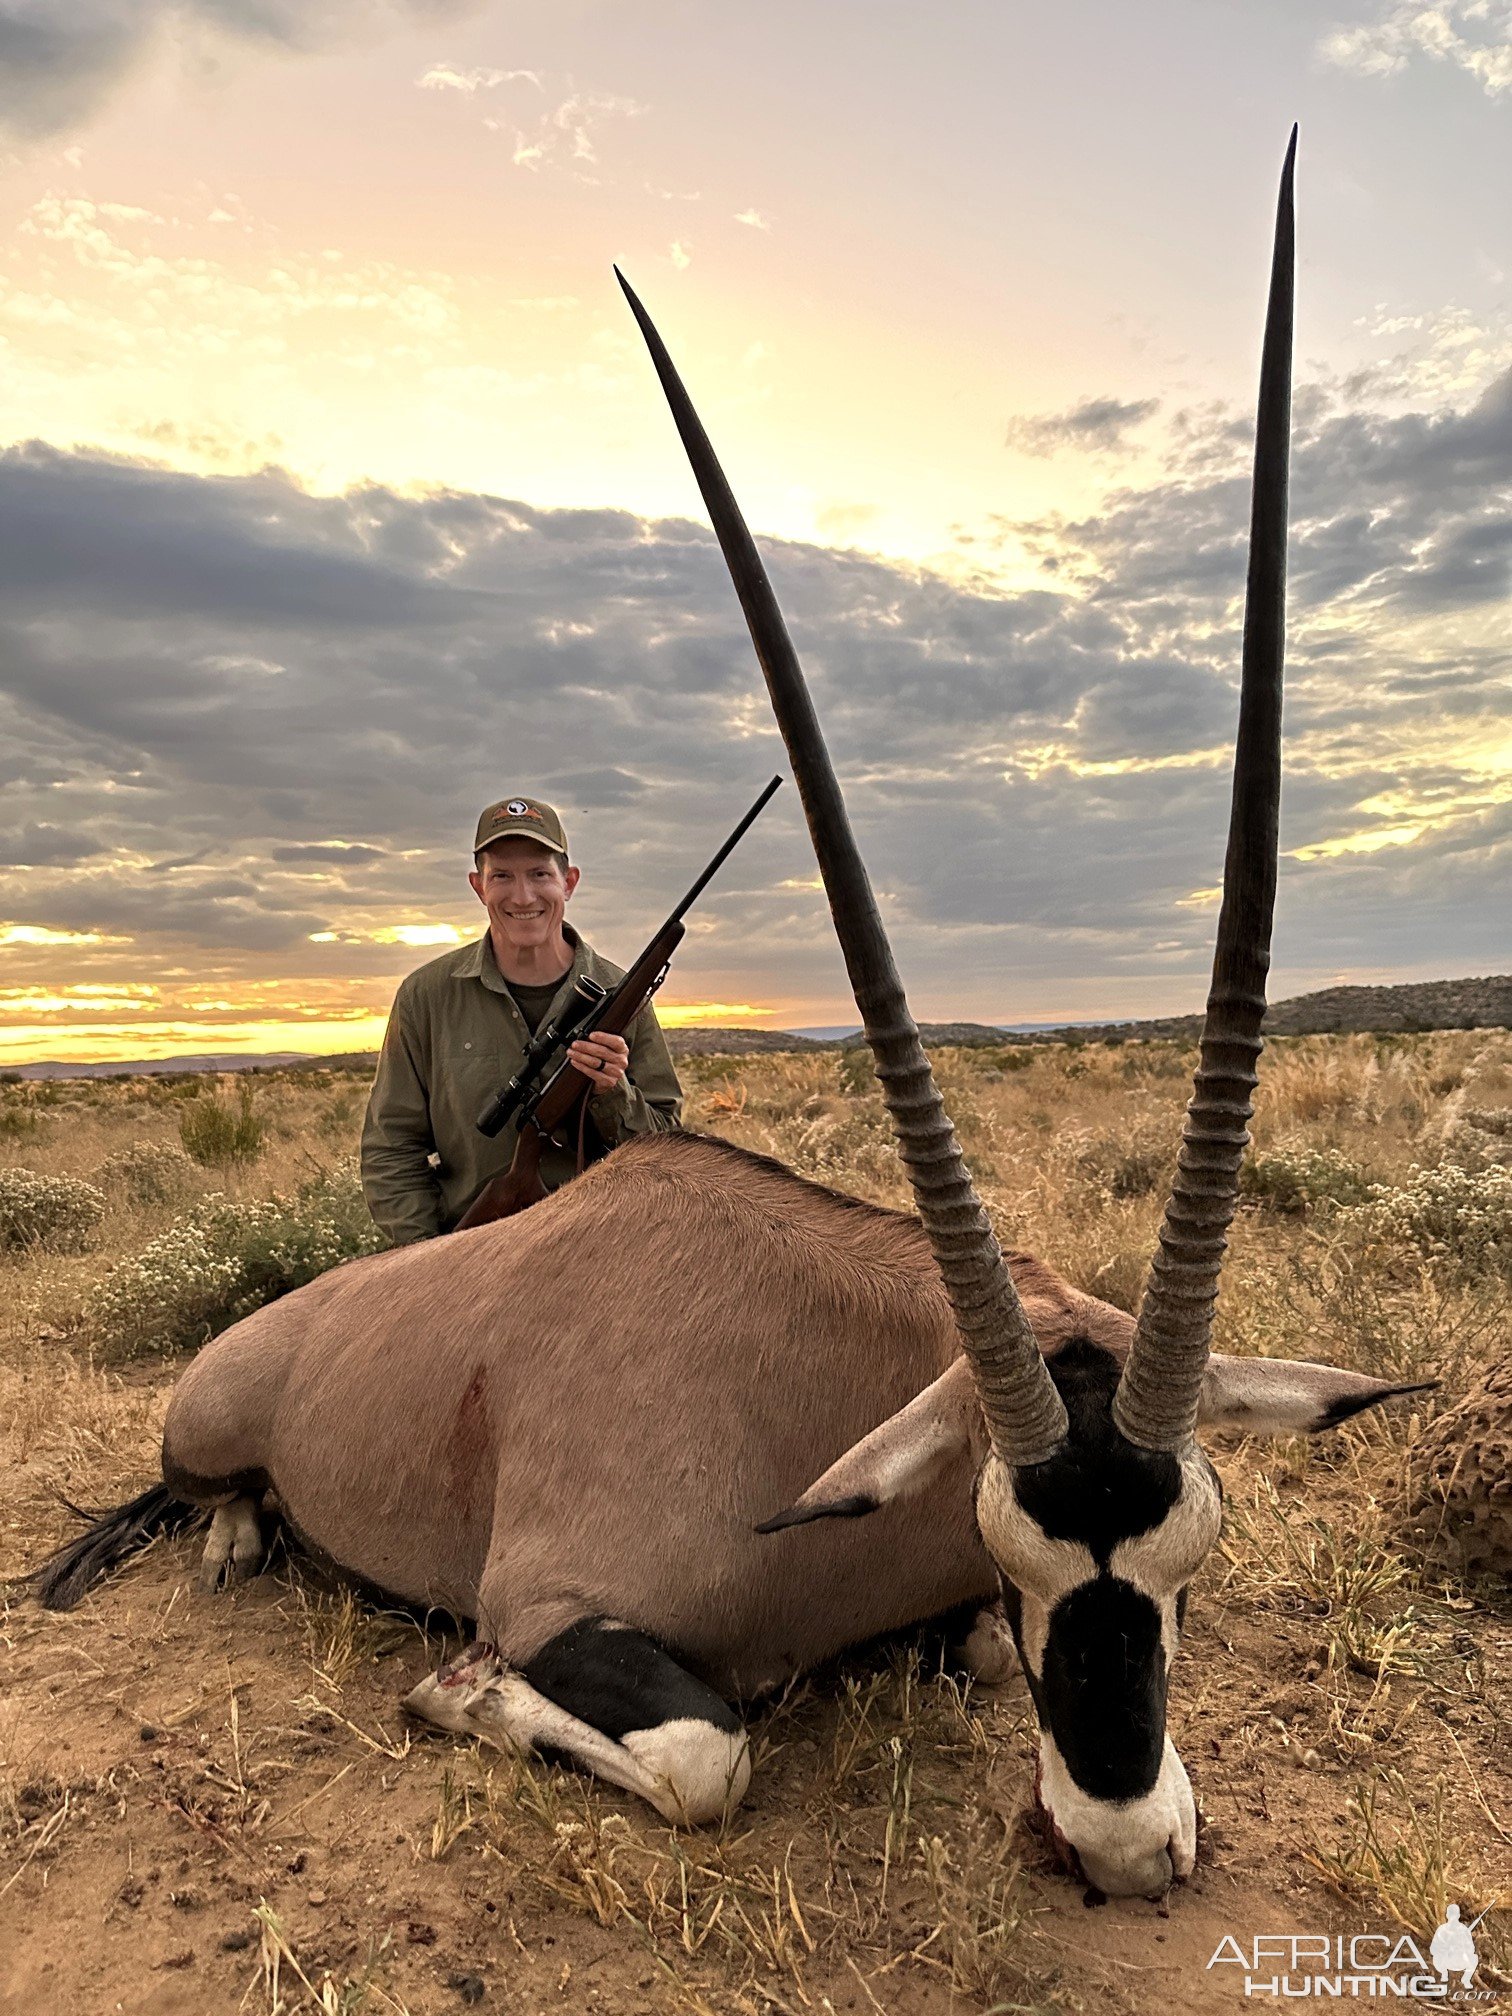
(724, 853)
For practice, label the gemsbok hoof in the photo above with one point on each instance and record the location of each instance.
(233, 1547)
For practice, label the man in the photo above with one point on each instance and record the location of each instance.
(458, 1032)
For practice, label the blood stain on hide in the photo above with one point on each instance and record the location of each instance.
(470, 1440)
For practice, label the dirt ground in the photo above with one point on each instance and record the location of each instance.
(214, 1804)
(224, 1809)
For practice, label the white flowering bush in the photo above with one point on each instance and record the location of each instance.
(227, 1257)
(1477, 1137)
(55, 1212)
(148, 1172)
(1461, 1218)
(1295, 1179)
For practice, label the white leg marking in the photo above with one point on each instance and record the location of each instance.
(704, 1771)
(233, 1547)
(988, 1651)
(688, 1770)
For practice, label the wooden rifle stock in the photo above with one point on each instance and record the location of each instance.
(520, 1184)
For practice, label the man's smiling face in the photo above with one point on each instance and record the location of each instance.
(524, 889)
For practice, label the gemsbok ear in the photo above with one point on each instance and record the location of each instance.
(1282, 1396)
(901, 1457)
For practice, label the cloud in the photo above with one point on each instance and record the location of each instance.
(754, 219)
(844, 521)
(276, 715)
(594, 790)
(1399, 513)
(444, 77)
(189, 546)
(1096, 426)
(59, 59)
(567, 137)
(679, 254)
(106, 239)
(40, 845)
(1474, 36)
(341, 853)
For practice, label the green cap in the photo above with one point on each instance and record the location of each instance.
(520, 819)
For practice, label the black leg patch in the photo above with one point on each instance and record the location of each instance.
(199, 1490)
(619, 1680)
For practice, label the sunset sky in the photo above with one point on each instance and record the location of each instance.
(337, 497)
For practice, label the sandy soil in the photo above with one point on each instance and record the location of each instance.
(185, 1763)
(214, 1805)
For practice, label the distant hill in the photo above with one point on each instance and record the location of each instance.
(1413, 1006)
(164, 1067)
(1418, 1004)
(741, 1042)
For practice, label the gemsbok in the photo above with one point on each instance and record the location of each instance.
(693, 1424)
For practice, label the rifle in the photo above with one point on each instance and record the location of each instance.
(541, 1105)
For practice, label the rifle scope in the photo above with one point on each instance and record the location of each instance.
(586, 996)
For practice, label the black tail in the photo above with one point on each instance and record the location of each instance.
(113, 1537)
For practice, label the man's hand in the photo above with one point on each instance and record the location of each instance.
(602, 1058)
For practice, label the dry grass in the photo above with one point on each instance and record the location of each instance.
(1403, 1852)
(885, 1869)
(878, 1856)
(285, 1983)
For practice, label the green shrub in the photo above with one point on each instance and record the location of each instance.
(1133, 1163)
(17, 1120)
(1295, 1180)
(55, 1212)
(858, 1077)
(1461, 1218)
(343, 1114)
(224, 1259)
(215, 1134)
(148, 1172)
(998, 1059)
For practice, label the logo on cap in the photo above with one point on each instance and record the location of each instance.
(518, 809)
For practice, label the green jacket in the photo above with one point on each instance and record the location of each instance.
(454, 1036)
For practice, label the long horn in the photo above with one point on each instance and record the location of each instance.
(1024, 1413)
(1156, 1403)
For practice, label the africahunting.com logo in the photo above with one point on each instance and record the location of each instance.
(1332, 1966)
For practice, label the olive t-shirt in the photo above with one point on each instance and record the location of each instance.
(533, 1002)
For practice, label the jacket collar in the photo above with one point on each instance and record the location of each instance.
(478, 962)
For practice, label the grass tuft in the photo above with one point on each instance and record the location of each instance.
(215, 1133)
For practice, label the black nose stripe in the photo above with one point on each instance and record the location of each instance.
(1102, 1688)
